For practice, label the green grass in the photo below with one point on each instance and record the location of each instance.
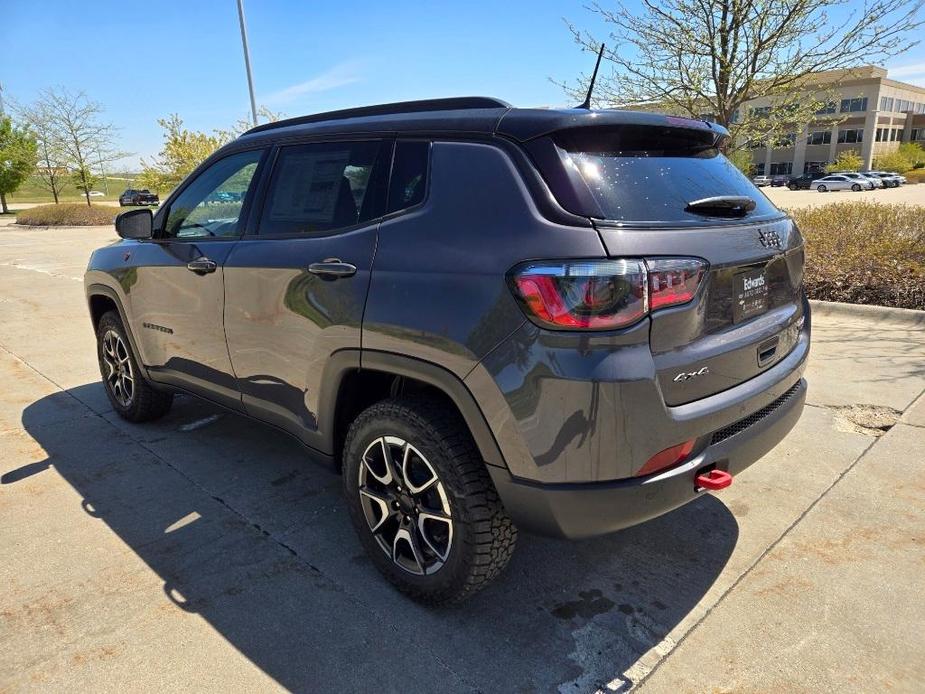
(32, 191)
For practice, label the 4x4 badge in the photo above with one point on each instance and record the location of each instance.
(769, 239)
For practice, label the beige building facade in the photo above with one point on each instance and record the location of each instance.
(869, 113)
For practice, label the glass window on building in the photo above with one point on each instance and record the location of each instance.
(781, 168)
(828, 108)
(886, 103)
(854, 105)
(819, 137)
(850, 135)
(813, 166)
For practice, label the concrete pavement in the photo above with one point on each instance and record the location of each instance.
(203, 552)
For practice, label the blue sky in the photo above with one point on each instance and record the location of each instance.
(143, 61)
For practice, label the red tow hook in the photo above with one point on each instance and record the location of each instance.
(714, 479)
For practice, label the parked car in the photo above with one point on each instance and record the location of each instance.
(805, 181)
(470, 312)
(138, 197)
(865, 182)
(899, 177)
(96, 194)
(889, 180)
(838, 182)
(779, 180)
(761, 180)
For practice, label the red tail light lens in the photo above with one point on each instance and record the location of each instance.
(590, 294)
(673, 281)
(667, 458)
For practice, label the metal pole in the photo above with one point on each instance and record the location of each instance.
(247, 60)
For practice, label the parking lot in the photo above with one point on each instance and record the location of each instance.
(911, 194)
(205, 553)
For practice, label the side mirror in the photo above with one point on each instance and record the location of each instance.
(135, 224)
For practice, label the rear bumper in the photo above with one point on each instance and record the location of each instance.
(586, 510)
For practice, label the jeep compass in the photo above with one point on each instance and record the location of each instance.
(485, 318)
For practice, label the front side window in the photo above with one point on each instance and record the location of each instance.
(321, 187)
(211, 205)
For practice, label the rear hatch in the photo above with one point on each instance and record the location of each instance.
(664, 190)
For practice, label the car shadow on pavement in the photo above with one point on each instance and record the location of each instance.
(248, 534)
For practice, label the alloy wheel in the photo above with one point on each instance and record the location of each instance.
(119, 375)
(405, 505)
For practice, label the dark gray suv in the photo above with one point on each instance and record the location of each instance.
(488, 318)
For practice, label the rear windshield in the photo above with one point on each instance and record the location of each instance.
(651, 174)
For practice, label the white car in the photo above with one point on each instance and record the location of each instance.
(761, 181)
(867, 182)
(837, 182)
(96, 194)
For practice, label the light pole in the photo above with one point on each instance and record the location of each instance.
(247, 60)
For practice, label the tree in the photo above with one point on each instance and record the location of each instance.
(710, 57)
(52, 160)
(17, 157)
(184, 150)
(849, 160)
(914, 152)
(85, 139)
(742, 160)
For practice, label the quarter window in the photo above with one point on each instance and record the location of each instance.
(321, 187)
(211, 205)
(409, 175)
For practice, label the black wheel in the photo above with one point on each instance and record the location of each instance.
(422, 502)
(821, 188)
(792, 186)
(128, 390)
(856, 187)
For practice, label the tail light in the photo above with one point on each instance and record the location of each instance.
(673, 281)
(603, 294)
(595, 295)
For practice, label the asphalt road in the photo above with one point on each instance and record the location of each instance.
(205, 553)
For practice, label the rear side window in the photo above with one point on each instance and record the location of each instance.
(322, 187)
(651, 174)
(408, 183)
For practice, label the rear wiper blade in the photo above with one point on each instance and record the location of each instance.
(722, 206)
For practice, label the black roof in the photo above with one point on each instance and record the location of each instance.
(472, 115)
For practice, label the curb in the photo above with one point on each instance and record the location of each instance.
(906, 316)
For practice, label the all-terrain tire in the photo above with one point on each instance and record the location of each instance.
(146, 403)
(483, 534)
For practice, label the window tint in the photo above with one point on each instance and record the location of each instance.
(650, 174)
(211, 204)
(325, 186)
(409, 175)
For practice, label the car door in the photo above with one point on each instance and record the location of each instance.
(295, 289)
(177, 289)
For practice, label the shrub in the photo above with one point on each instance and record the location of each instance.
(892, 161)
(915, 176)
(849, 160)
(68, 214)
(865, 253)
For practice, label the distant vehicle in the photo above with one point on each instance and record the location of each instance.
(899, 176)
(779, 180)
(138, 197)
(96, 194)
(804, 182)
(761, 181)
(889, 180)
(866, 182)
(838, 182)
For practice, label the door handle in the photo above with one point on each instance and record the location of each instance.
(201, 266)
(332, 268)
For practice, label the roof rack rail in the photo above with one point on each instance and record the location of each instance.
(457, 103)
